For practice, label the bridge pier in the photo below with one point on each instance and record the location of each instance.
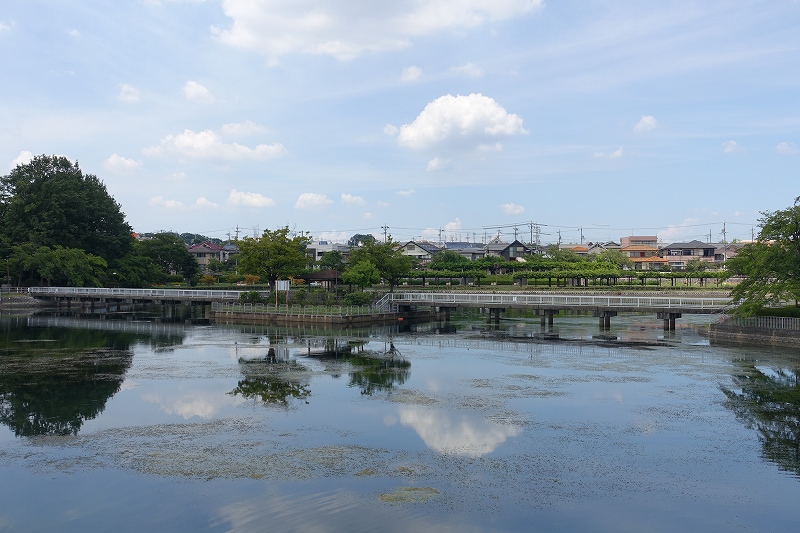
(493, 314)
(604, 315)
(443, 313)
(548, 315)
(669, 319)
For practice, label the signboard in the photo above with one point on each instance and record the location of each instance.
(282, 285)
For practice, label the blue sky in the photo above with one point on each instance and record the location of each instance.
(455, 117)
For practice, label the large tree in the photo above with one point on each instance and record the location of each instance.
(50, 202)
(276, 254)
(771, 265)
(387, 258)
(168, 251)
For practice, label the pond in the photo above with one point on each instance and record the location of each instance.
(135, 421)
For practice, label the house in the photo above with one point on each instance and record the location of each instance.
(205, 252)
(473, 252)
(643, 257)
(421, 250)
(678, 254)
(644, 240)
(316, 249)
(509, 251)
(600, 247)
(580, 249)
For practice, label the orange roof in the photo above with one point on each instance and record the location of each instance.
(638, 248)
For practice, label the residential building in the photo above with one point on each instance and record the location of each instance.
(680, 253)
(509, 251)
(205, 252)
(643, 257)
(421, 250)
(645, 240)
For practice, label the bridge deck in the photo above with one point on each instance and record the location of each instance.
(549, 301)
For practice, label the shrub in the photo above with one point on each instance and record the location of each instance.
(358, 298)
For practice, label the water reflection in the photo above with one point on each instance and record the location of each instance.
(463, 434)
(271, 380)
(768, 400)
(54, 379)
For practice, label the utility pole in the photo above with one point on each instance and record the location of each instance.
(237, 232)
(515, 232)
(385, 229)
(441, 242)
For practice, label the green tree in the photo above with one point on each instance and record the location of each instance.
(448, 260)
(771, 265)
(333, 260)
(387, 258)
(168, 251)
(358, 239)
(30, 264)
(50, 202)
(362, 274)
(615, 258)
(276, 254)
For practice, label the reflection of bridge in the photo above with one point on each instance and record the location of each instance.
(124, 326)
(546, 305)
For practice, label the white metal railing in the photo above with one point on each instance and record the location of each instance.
(135, 293)
(765, 322)
(566, 300)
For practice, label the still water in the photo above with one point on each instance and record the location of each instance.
(133, 422)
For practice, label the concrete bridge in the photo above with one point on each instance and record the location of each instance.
(668, 308)
(87, 296)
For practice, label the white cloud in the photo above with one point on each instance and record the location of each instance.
(349, 199)
(75, 34)
(681, 233)
(786, 148)
(390, 129)
(616, 154)
(453, 226)
(249, 199)
(176, 176)
(471, 70)
(195, 92)
(117, 163)
(128, 93)
(457, 119)
(309, 200)
(386, 204)
(411, 73)
(436, 164)
(345, 29)
(247, 127)
(203, 202)
(512, 209)
(732, 147)
(209, 145)
(160, 201)
(23, 158)
(4, 26)
(496, 147)
(367, 216)
(408, 192)
(646, 123)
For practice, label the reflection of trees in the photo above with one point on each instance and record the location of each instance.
(374, 373)
(53, 394)
(272, 381)
(771, 405)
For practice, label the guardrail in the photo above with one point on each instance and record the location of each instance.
(176, 294)
(295, 310)
(555, 300)
(765, 322)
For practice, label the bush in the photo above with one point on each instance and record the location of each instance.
(251, 297)
(358, 298)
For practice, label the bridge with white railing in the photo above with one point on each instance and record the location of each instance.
(545, 305)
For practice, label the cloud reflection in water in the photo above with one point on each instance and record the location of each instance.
(458, 433)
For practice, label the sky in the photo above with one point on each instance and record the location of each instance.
(417, 119)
